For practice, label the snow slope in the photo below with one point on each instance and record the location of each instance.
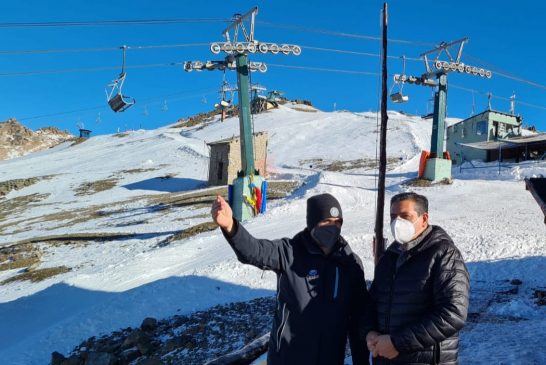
(116, 283)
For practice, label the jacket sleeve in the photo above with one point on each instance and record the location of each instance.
(357, 340)
(450, 306)
(264, 254)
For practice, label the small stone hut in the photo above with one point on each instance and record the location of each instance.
(225, 158)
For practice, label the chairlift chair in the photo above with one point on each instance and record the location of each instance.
(117, 101)
(399, 97)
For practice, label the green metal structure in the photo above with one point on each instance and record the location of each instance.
(245, 126)
(245, 187)
(438, 168)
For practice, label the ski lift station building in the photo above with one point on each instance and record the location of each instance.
(225, 158)
(471, 138)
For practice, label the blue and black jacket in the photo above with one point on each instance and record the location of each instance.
(320, 298)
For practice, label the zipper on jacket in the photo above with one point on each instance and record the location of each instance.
(281, 327)
(388, 319)
(336, 283)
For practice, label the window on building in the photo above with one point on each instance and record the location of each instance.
(481, 128)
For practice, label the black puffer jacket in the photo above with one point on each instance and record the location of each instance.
(421, 301)
(319, 298)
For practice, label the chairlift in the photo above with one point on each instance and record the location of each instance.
(117, 101)
(224, 101)
(399, 97)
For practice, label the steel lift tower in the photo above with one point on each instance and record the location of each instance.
(243, 201)
(437, 166)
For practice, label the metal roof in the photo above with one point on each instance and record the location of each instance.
(507, 143)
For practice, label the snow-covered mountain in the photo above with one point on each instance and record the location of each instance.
(116, 229)
(17, 140)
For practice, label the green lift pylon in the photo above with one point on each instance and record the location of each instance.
(248, 177)
(438, 167)
(243, 199)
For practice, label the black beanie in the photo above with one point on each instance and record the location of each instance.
(320, 207)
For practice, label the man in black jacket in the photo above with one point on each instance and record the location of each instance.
(419, 292)
(321, 291)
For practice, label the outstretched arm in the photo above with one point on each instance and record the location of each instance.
(264, 254)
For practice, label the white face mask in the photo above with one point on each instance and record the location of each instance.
(402, 230)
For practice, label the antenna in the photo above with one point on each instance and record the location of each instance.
(489, 96)
(513, 103)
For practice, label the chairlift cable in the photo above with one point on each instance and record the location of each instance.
(89, 69)
(92, 23)
(98, 49)
(174, 96)
(342, 34)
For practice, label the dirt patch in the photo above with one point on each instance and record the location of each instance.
(340, 165)
(57, 240)
(305, 110)
(281, 189)
(93, 187)
(12, 207)
(19, 256)
(17, 184)
(120, 135)
(424, 183)
(37, 275)
(78, 140)
(189, 232)
(136, 171)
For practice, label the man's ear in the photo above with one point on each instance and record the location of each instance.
(425, 219)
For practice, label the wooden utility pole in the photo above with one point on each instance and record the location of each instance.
(379, 240)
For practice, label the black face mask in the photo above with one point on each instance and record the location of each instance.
(326, 236)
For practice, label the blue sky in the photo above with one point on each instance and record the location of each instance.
(505, 37)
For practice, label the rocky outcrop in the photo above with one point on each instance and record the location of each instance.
(193, 339)
(17, 140)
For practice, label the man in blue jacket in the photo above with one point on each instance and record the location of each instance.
(321, 292)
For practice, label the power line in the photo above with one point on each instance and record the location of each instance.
(497, 97)
(89, 69)
(99, 49)
(92, 23)
(355, 72)
(341, 34)
(183, 95)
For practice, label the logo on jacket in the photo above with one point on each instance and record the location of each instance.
(313, 274)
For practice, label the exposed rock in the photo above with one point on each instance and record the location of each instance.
(127, 356)
(17, 140)
(57, 358)
(73, 360)
(149, 324)
(192, 339)
(101, 358)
